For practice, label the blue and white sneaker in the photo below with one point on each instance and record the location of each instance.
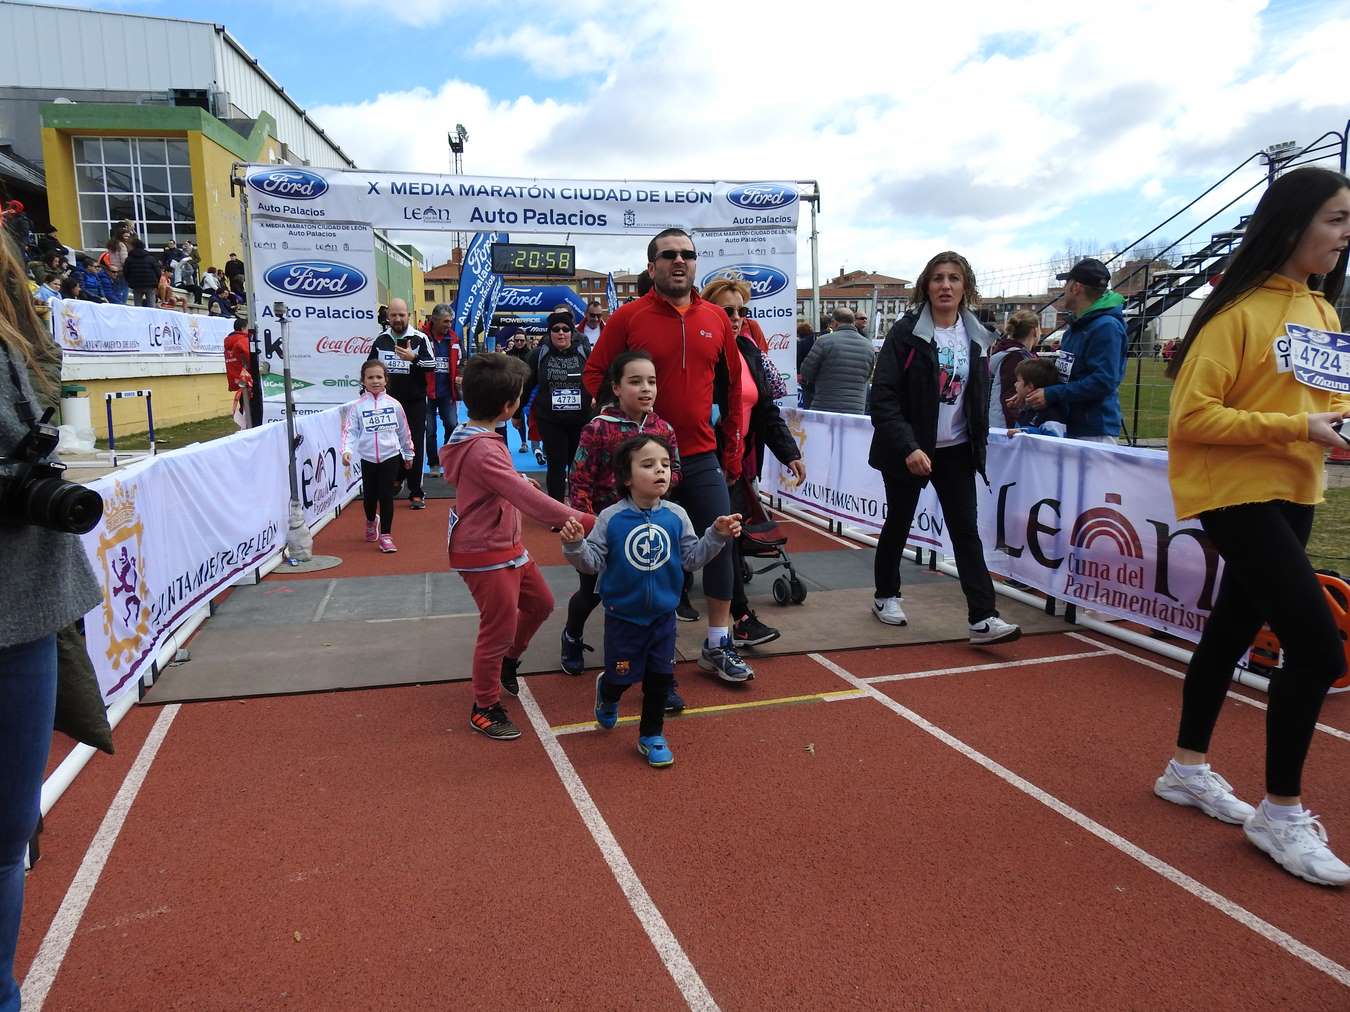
(725, 662)
(656, 750)
(606, 713)
(674, 701)
(574, 654)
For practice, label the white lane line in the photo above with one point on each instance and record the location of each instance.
(323, 605)
(426, 594)
(678, 965)
(42, 974)
(814, 529)
(423, 618)
(1335, 732)
(1177, 877)
(1029, 662)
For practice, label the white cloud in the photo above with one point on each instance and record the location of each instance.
(997, 129)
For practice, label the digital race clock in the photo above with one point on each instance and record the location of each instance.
(533, 258)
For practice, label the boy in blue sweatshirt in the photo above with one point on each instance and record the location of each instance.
(641, 548)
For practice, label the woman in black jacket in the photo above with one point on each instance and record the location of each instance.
(930, 415)
(561, 406)
(766, 428)
(141, 273)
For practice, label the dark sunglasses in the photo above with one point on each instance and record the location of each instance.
(737, 310)
(677, 254)
(560, 328)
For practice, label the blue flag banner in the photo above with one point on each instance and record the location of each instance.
(540, 299)
(611, 294)
(475, 282)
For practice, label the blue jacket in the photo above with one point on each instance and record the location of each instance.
(1091, 364)
(641, 556)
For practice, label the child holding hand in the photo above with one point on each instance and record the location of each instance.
(376, 430)
(1032, 375)
(641, 547)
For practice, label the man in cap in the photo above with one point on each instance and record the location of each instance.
(1091, 359)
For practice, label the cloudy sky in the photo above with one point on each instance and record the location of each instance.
(1000, 128)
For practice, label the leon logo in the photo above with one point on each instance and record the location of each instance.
(195, 340)
(1114, 526)
(763, 280)
(763, 196)
(70, 326)
(126, 594)
(315, 279)
(647, 548)
(288, 183)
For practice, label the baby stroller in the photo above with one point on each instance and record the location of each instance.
(761, 538)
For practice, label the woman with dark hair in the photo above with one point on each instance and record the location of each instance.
(930, 416)
(1246, 441)
(561, 404)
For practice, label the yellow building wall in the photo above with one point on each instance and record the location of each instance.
(58, 164)
(175, 399)
(218, 218)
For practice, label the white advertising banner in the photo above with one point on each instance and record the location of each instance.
(1082, 522)
(179, 527)
(402, 200)
(96, 328)
(325, 274)
(767, 261)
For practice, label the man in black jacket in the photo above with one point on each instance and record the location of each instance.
(141, 272)
(407, 358)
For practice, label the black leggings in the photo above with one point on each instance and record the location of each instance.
(1266, 578)
(655, 689)
(581, 604)
(378, 482)
(560, 447)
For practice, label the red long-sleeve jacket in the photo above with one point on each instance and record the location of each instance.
(690, 352)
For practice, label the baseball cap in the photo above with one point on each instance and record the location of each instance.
(1090, 272)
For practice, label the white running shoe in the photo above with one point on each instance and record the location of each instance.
(994, 630)
(888, 610)
(1299, 846)
(1206, 790)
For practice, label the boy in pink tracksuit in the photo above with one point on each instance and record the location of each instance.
(485, 542)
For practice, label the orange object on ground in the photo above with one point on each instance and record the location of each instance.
(1266, 647)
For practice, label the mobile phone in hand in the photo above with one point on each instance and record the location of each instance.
(1336, 427)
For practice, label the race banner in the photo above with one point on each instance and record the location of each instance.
(174, 534)
(767, 261)
(538, 299)
(1083, 522)
(475, 281)
(95, 328)
(402, 200)
(325, 275)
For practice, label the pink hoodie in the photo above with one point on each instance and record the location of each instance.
(488, 490)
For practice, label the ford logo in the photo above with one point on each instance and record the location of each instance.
(763, 196)
(288, 183)
(763, 281)
(315, 279)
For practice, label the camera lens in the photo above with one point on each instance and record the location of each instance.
(62, 505)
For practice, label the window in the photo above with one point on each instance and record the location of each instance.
(428, 295)
(146, 180)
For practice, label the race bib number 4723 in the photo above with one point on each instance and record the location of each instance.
(1318, 358)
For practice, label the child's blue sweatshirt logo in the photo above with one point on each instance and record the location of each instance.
(647, 548)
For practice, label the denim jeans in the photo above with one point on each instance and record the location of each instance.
(27, 703)
(440, 409)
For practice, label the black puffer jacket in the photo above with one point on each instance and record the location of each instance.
(905, 392)
(141, 270)
(767, 428)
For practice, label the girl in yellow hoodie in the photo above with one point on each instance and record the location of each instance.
(1246, 442)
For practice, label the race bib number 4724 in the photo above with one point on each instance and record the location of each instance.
(1318, 358)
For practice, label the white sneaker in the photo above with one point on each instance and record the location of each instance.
(1207, 791)
(888, 610)
(994, 630)
(1299, 846)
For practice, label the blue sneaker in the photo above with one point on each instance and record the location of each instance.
(674, 701)
(606, 713)
(656, 750)
(574, 654)
(725, 662)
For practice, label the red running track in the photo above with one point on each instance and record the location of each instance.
(816, 855)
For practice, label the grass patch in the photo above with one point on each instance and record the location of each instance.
(172, 437)
(1145, 384)
(1329, 546)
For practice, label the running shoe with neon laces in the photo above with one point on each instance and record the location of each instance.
(373, 530)
(511, 675)
(387, 544)
(606, 713)
(493, 722)
(1205, 790)
(749, 631)
(994, 630)
(656, 750)
(725, 662)
(1298, 845)
(888, 610)
(574, 654)
(674, 701)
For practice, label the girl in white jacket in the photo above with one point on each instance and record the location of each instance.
(376, 430)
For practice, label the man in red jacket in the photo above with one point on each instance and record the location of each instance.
(237, 374)
(694, 349)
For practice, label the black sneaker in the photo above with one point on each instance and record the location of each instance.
(749, 631)
(674, 701)
(685, 611)
(510, 675)
(574, 654)
(493, 722)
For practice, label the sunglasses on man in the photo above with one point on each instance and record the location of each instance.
(677, 254)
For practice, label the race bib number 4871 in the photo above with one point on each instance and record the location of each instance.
(1318, 358)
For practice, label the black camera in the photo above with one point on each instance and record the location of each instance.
(33, 492)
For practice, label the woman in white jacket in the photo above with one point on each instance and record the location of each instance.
(376, 430)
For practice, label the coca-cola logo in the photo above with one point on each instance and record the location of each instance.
(344, 345)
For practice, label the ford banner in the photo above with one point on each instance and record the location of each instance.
(475, 282)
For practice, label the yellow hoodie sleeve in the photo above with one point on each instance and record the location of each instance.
(1200, 411)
